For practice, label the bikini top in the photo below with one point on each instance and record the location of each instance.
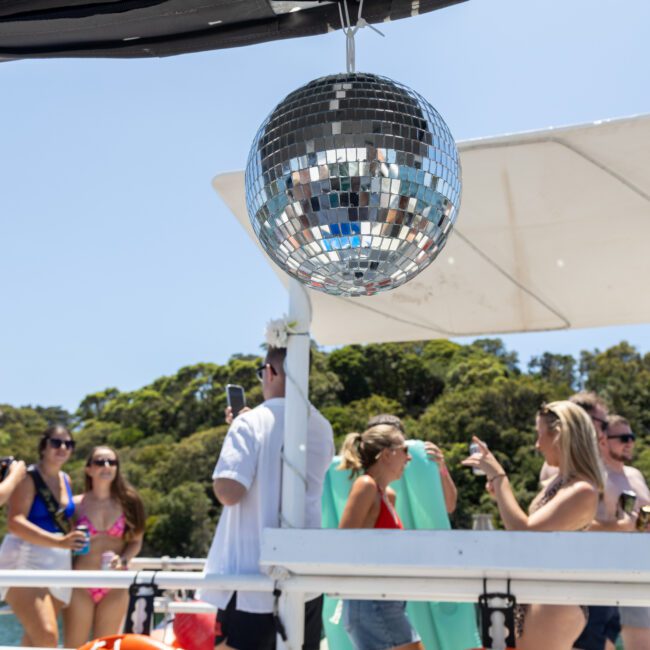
(550, 492)
(116, 530)
(40, 516)
(387, 517)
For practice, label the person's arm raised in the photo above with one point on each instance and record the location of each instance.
(362, 498)
(449, 491)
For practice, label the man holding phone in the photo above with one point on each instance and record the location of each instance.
(616, 451)
(247, 482)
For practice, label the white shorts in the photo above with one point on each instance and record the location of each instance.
(16, 553)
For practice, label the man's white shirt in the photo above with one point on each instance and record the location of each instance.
(251, 455)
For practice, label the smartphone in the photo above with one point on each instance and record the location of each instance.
(236, 398)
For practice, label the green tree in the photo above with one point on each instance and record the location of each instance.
(559, 369)
(182, 524)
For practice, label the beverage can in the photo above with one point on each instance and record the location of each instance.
(644, 518)
(474, 449)
(107, 559)
(86, 547)
(627, 501)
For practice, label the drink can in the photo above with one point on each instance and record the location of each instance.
(644, 518)
(627, 501)
(107, 558)
(474, 449)
(86, 547)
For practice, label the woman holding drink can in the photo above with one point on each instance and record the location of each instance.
(113, 514)
(41, 537)
(567, 439)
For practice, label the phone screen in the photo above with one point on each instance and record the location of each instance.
(236, 398)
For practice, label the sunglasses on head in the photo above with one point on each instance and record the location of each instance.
(623, 437)
(103, 462)
(403, 448)
(260, 371)
(57, 443)
(604, 424)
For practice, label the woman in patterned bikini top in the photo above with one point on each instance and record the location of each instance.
(567, 439)
(113, 513)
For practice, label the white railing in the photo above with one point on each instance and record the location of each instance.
(554, 568)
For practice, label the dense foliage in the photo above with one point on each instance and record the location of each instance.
(169, 433)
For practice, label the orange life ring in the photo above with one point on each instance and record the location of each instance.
(126, 642)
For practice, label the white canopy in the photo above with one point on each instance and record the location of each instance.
(552, 233)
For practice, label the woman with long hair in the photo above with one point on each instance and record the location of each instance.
(376, 457)
(41, 538)
(113, 512)
(567, 439)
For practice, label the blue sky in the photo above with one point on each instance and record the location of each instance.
(120, 264)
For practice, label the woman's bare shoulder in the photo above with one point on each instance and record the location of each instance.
(582, 491)
(364, 484)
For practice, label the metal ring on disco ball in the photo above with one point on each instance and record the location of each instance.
(353, 184)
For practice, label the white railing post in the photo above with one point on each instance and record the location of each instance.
(294, 466)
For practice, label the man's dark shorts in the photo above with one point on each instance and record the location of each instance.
(603, 624)
(247, 631)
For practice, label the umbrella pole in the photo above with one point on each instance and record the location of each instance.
(294, 465)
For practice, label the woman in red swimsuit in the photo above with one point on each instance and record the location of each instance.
(114, 515)
(379, 455)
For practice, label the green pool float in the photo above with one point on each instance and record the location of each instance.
(421, 506)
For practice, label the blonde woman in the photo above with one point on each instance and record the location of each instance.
(376, 457)
(567, 439)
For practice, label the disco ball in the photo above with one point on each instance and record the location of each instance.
(353, 184)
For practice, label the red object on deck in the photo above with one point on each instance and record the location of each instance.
(195, 631)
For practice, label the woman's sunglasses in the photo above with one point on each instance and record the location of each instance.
(57, 443)
(103, 462)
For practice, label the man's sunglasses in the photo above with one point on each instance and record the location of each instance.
(604, 424)
(57, 443)
(623, 437)
(103, 462)
(260, 371)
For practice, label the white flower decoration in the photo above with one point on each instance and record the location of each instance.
(278, 330)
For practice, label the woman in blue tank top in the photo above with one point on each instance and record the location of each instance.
(40, 538)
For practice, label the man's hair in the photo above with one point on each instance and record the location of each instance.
(386, 418)
(276, 357)
(588, 400)
(613, 420)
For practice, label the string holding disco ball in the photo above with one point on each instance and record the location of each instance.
(353, 184)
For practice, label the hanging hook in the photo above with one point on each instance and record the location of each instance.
(350, 32)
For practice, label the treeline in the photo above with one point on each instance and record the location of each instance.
(169, 433)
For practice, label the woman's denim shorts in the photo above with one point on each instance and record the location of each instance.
(378, 624)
